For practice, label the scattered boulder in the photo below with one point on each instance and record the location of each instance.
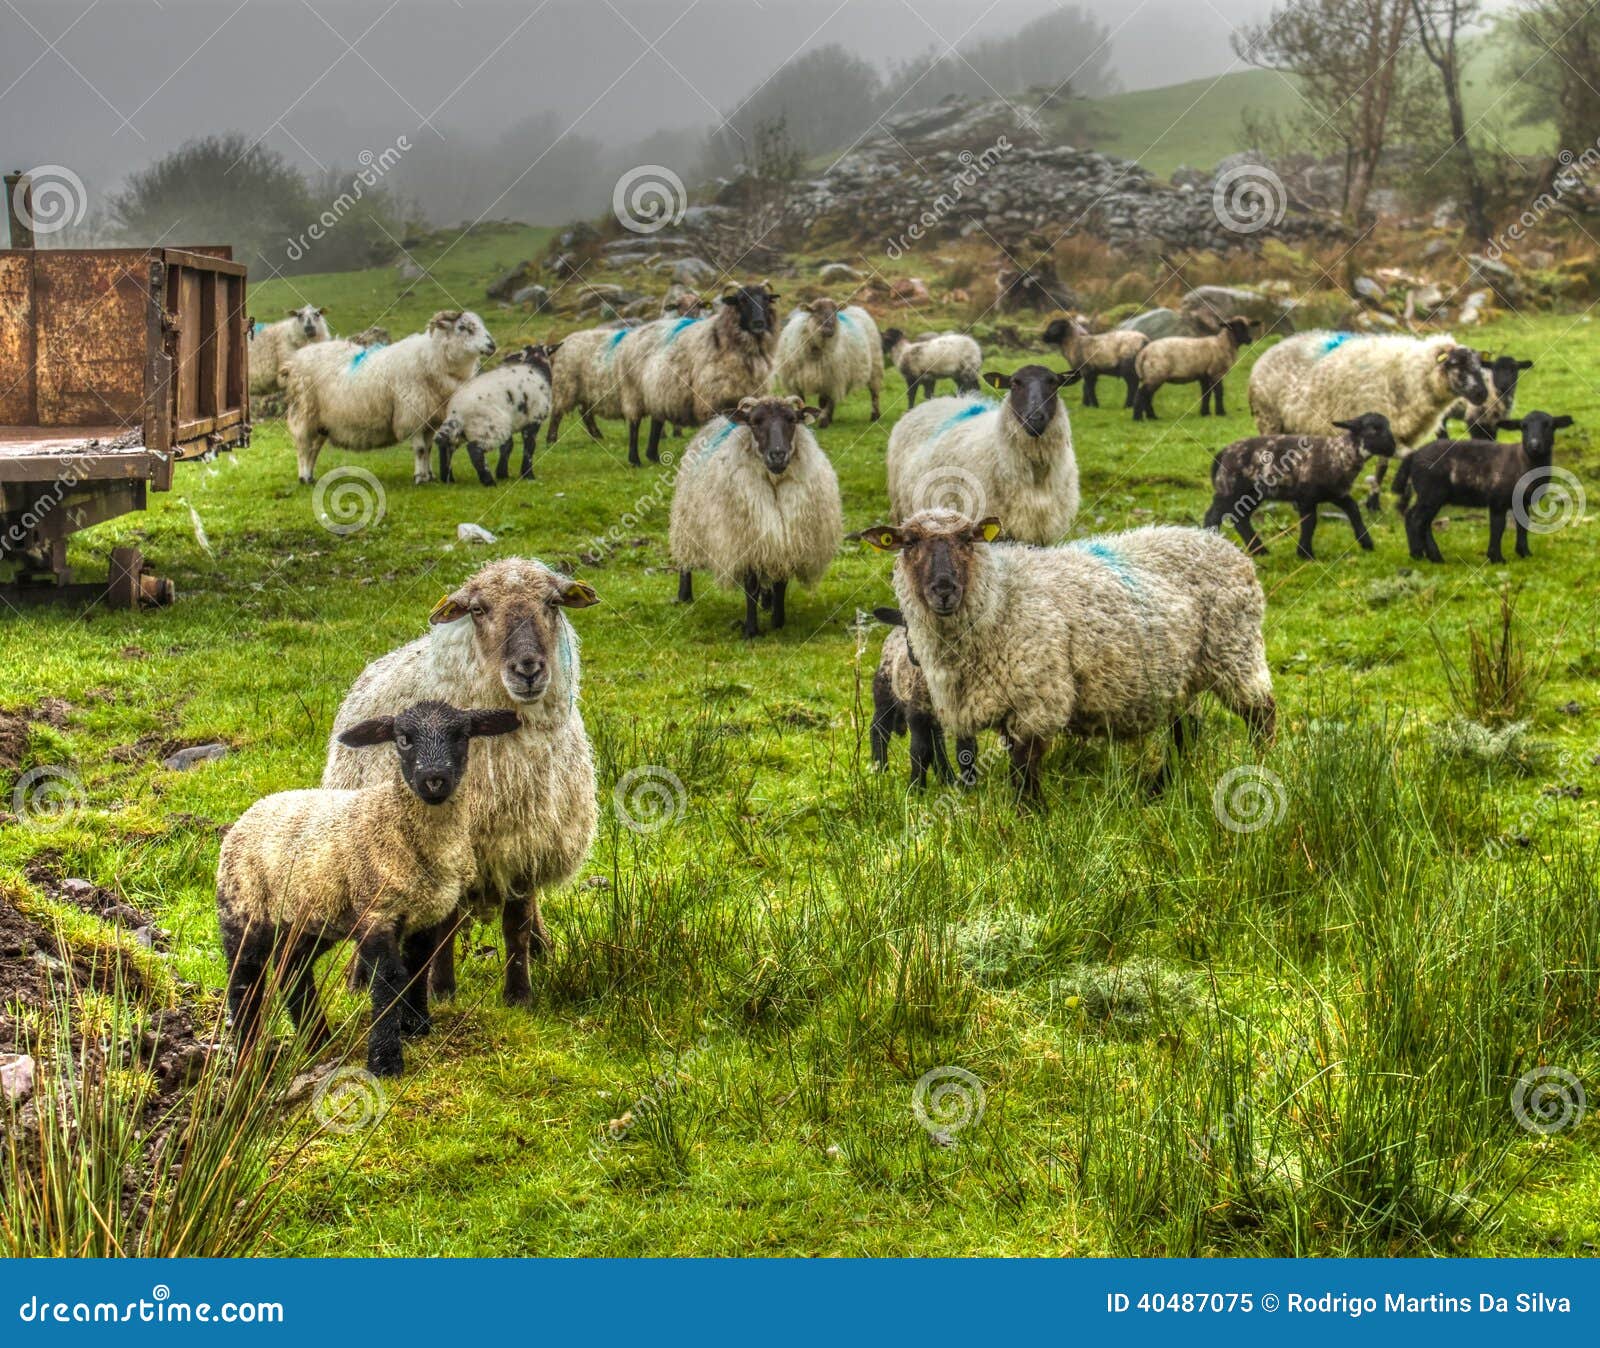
(1369, 291)
(910, 290)
(1223, 302)
(693, 271)
(195, 754)
(1033, 288)
(16, 1077)
(507, 285)
(1159, 323)
(536, 297)
(838, 273)
(1474, 308)
(1487, 271)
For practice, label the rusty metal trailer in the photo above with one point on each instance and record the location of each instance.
(115, 364)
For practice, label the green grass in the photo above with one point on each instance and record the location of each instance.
(1300, 1039)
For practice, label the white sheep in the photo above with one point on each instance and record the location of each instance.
(1011, 458)
(757, 504)
(932, 357)
(383, 865)
(1313, 379)
(492, 407)
(271, 344)
(369, 397)
(1112, 636)
(1190, 360)
(584, 378)
(685, 370)
(500, 640)
(1093, 354)
(827, 352)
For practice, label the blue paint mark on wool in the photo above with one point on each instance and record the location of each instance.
(845, 319)
(564, 659)
(1106, 554)
(361, 355)
(256, 327)
(677, 327)
(1334, 340)
(721, 434)
(976, 408)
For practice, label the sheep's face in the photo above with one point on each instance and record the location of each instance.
(1463, 372)
(773, 424)
(540, 356)
(1031, 395)
(310, 323)
(464, 330)
(756, 308)
(1538, 433)
(514, 606)
(1371, 433)
(823, 318)
(432, 740)
(892, 337)
(1241, 329)
(1504, 372)
(938, 550)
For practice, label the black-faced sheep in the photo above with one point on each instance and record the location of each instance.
(1484, 419)
(829, 351)
(1012, 458)
(271, 344)
(371, 397)
(1113, 636)
(1092, 354)
(757, 504)
(501, 640)
(901, 706)
(1305, 470)
(383, 865)
(1506, 479)
(923, 362)
(1190, 360)
(491, 408)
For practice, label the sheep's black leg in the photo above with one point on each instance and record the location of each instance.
(1308, 529)
(923, 729)
(523, 929)
(1374, 497)
(1216, 396)
(967, 761)
(1205, 397)
(1216, 512)
(381, 962)
(931, 383)
(779, 589)
(304, 1006)
(418, 952)
(752, 604)
(686, 587)
(1419, 529)
(1247, 533)
(1522, 540)
(1414, 535)
(1352, 512)
(1026, 755)
(247, 983)
(1497, 530)
(553, 430)
(877, 412)
(825, 405)
(911, 393)
(885, 714)
(442, 963)
(502, 469)
(592, 426)
(446, 453)
(1130, 398)
(653, 449)
(530, 438)
(480, 463)
(941, 752)
(1089, 398)
(1262, 721)
(633, 445)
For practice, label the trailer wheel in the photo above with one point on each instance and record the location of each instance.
(131, 587)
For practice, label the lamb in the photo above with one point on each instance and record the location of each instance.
(1094, 354)
(830, 352)
(685, 370)
(1113, 636)
(494, 406)
(1012, 458)
(383, 865)
(757, 504)
(1190, 360)
(271, 344)
(901, 705)
(1312, 379)
(1483, 419)
(932, 357)
(501, 640)
(584, 377)
(1503, 478)
(370, 397)
(1304, 469)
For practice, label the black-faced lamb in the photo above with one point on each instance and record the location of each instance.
(1112, 636)
(934, 356)
(827, 351)
(1093, 354)
(1190, 360)
(901, 706)
(1505, 479)
(271, 344)
(492, 407)
(1305, 470)
(757, 504)
(382, 865)
(1484, 419)
(501, 640)
(1012, 458)
(370, 397)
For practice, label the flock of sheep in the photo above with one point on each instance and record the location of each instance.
(487, 797)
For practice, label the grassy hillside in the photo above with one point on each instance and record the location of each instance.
(1181, 1034)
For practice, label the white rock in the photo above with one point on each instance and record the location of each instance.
(474, 533)
(16, 1076)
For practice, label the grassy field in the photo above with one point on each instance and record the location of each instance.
(1176, 1031)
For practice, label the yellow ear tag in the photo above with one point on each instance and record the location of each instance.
(991, 532)
(1442, 357)
(440, 610)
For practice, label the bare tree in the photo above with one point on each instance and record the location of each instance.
(1439, 23)
(1555, 70)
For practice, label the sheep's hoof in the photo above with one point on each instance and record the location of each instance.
(387, 1065)
(519, 996)
(419, 478)
(526, 475)
(417, 1028)
(485, 480)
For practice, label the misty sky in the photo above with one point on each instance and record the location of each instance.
(321, 81)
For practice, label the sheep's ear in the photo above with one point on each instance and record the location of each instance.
(889, 617)
(1510, 423)
(320, 312)
(997, 380)
(1524, 365)
(291, 313)
(483, 721)
(364, 734)
(985, 530)
(1560, 423)
(445, 318)
(1068, 377)
(810, 414)
(883, 537)
(1345, 425)
(449, 609)
(577, 594)
(550, 351)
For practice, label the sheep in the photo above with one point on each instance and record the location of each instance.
(499, 640)
(1095, 354)
(376, 335)
(383, 865)
(1304, 469)
(901, 706)
(1483, 419)
(829, 351)
(584, 376)
(1314, 378)
(1012, 458)
(369, 397)
(491, 408)
(1503, 478)
(685, 370)
(271, 344)
(931, 357)
(1113, 636)
(757, 504)
(1190, 360)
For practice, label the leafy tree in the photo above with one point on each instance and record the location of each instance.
(825, 98)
